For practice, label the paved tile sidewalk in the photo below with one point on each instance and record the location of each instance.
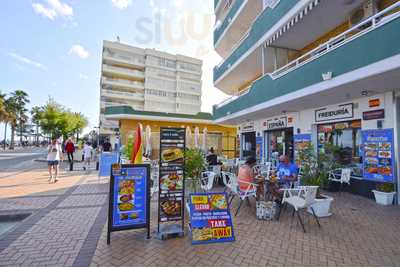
(63, 217)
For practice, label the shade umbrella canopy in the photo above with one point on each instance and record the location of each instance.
(188, 137)
(148, 141)
(196, 137)
(204, 143)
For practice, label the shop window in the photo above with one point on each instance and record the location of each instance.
(342, 141)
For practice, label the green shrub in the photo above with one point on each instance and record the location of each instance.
(385, 187)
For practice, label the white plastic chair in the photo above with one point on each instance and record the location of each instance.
(229, 180)
(216, 169)
(266, 170)
(250, 191)
(340, 176)
(207, 180)
(300, 198)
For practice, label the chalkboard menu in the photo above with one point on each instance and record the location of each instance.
(210, 219)
(129, 199)
(171, 178)
(378, 160)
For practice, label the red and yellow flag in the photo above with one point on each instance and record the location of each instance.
(138, 147)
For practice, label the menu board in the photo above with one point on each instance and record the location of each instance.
(129, 202)
(171, 179)
(378, 155)
(210, 219)
(301, 142)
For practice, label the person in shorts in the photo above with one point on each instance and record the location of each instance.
(87, 155)
(54, 155)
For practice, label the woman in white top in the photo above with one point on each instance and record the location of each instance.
(87, 155)
(54, 155)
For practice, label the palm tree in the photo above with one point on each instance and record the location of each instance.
(19, 100)
(36, 113)
(8, 116)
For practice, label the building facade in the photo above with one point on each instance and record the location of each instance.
(147, 80)
(313, 71)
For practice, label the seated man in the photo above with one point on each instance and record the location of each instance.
(212, 158)
(287, 171)
(246, 175)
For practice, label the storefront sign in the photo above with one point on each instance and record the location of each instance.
(378, 160)
(374, 114)
(336, 113)
(106, 160)
(210, 218)
(129, 201)
(171, 182)
(278, 123)
(248, 127)
(302, 142)
(372, 103)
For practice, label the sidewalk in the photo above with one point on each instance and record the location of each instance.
(66, 219)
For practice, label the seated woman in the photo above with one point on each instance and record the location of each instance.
(246, 175)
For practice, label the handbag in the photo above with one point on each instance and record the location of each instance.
(266, 210)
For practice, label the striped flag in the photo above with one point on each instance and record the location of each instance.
(138, 147)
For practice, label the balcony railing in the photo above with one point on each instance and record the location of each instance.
(135, 73)
(339, 40)
(124, 82)
(234, 97)
(370, 41)
(233, 10)
(266, 20)
(127, 58)
(123, 94)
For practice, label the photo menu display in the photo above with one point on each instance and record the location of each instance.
(378, 160)
(171, 191)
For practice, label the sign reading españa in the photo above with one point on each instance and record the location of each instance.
(210, 218)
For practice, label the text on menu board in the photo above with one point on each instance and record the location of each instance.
(130, 200)
(378, 160)
(210, 218)
(171, 180)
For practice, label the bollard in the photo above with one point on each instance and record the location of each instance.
(71, 166)
(97, 165)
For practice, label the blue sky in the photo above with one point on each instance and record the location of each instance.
(53, 47)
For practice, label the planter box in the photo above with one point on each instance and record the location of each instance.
(322, 206)
(383, 198)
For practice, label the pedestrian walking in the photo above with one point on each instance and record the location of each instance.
(87, 155)
(106, 146)
(70, 149)
(54, 155)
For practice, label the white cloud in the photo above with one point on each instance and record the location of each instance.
(79, 51)
(53, 9)
(121, 4)
(61, 8)
(45, 12)
(26, 61)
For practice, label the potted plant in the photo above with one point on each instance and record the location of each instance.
(315, 172)
(126, 154)
(384, 194)
(194, 166)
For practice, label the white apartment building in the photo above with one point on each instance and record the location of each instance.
(147, 80)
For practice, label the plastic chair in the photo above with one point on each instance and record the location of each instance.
(342, 177)
(216, 169)
(207, 180)
(300, 198)
(250, 191)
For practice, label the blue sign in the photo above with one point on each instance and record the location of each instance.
(210, 218)
(106, 160)
(130, 196)
(378, 155)
(259, 145)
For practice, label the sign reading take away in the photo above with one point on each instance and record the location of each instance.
(210, 218)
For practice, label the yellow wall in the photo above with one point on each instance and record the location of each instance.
(228, 133)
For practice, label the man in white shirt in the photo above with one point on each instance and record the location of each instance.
(87, 155)
(54, 155)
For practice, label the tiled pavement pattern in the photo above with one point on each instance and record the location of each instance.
(66, 232)
(65, 217)
(359, 233)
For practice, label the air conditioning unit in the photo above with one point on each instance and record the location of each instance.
(367, 9)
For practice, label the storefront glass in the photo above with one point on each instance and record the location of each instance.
(248, 144)
(277, 143)
(343, 139)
